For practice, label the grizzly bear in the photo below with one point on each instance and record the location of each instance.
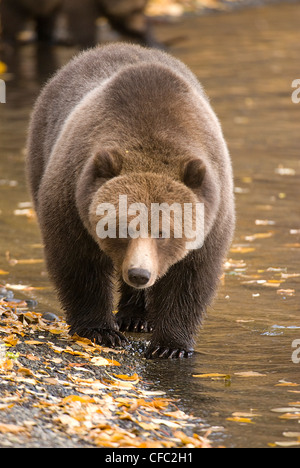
(123, 123)
(127, 17)
(15, 12)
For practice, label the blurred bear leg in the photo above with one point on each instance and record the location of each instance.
(81, 19)
(12, 20)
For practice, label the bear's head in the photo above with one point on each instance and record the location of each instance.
(144, 221)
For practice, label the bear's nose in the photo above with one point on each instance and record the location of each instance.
(139, 276)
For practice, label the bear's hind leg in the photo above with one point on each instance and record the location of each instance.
(132, 315)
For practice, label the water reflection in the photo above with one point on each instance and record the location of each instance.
(247, 67)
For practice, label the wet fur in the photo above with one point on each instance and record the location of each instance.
(114, 116)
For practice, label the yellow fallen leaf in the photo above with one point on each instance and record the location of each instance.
(195, 441)
(76, 353)
(272, 284)
(249, 374)
(131, 378)
(148, 426)
(292, 443)
(26, 372)
(240, 420)
(28, 212)
(286, 292)
(286, 410)
(11, 340)
(212, 376)
(3, 68)
(29, 261)
(56, 331)
(291, 434)
(7, 364)
(174, 425)
(262, 235)
(3, 272)
(282, 383)
(239, 414)
(67, 420)
(6, 406)
(51, 381)
(290, 416)
(177, 414)
(75, 398)
(242, 249)
(11, 428)
(112, 362)
(99, 361)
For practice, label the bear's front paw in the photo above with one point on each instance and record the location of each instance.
(133, 324)
(104, 337)
(163, 352)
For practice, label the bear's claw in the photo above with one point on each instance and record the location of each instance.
(105, 337)
(135, 325)
(163, 352)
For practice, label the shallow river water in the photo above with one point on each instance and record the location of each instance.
(247, 61)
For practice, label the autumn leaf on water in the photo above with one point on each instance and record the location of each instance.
(283, 383)
(29, 261)
(249, 374)
(213, 376)
(240, 420)
(262, 235)
(286, 292)
(242, 250)
(131, 378)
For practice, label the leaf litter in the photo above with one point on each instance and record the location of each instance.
(75, 393)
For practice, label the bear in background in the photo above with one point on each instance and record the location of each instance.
(14, 14)
(125, 121)
(125, 16)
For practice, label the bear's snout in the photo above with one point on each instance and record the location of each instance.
(140, 267)
(139, 276)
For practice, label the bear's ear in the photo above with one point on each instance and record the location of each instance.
(108, 164)
(193, 173)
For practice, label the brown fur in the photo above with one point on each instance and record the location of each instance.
(123, 120)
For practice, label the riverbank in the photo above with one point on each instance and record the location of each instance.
(59, 391)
